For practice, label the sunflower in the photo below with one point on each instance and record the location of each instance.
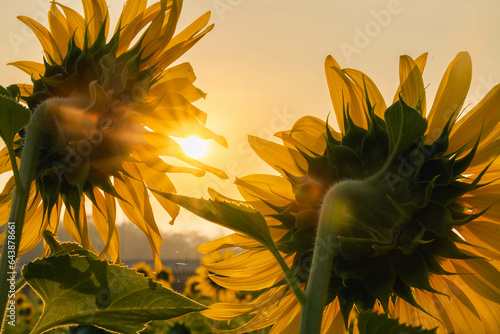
(27, 311)
(114, 104)
(165, 276)
(202, 284)
(20, 299)
(418, 221)
(143, 268)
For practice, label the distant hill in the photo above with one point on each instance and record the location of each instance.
(135, 246)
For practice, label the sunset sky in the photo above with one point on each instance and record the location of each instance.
(262, 65)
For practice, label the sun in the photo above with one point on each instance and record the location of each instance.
(194, 146)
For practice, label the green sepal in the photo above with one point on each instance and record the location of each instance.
(405, 126)
(362, 299)
(445, 247)
(355, 248)
(412, 269)
(346, 161)
(404, 292)
(462, 164)
(354, 135)
(411, 237)
(379, 281)
(433, 265)
(346, 302)
(351, 269)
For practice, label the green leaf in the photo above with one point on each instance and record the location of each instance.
(13, 117)
(373, 323)
(84, 291)
(237, 217)
(4, 91)
(405, 126)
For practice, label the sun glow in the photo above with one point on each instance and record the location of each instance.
(194, 146)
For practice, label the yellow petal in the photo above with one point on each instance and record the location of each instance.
(5, 165)
(153, 36)
(184, 70)
(485, 232)
(482, 119)
(137, 208)
(148, 155)
(76, 24)
(104, 218)
(270, 188)
(481, 277)
(131, 10)
(376, 99)
(77, 227)
(130, 31)
(174, 53)
(482, 198)
(60, 29)
(166, 146)
(277, 156)
(236, 240)
(26, 89)
(420, 62)
(177, 123)
(343, 93)
(259, 280)
(182, 87)
(33, 69)
(191, 30)
(95, 12)
(450, 95)
(307, 134)
(172, 100)
(48, 43)
(160, 182)
(253, 262)
(412, 88)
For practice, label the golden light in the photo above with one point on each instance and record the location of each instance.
(194, 146)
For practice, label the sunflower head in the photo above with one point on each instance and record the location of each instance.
(27, 311)
(113, 102)
(143, 268)
(391, 200)
(165, 276)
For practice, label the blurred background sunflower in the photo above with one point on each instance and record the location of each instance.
(421, 232)
(165, 276)
(114, 101)
(143, 268)
(203, 285)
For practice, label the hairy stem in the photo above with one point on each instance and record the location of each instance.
(319, 278)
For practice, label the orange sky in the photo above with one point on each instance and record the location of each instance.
(262, 65)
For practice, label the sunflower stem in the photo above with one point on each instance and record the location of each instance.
(292, 283)
(19, 203)
(323, 255)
